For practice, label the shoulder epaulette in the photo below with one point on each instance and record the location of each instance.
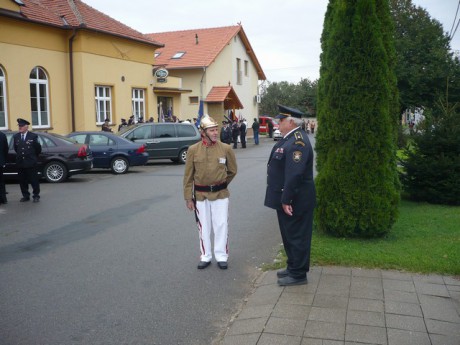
(299, 138)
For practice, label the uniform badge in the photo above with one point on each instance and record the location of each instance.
(297, 156)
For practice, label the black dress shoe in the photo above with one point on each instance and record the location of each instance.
(290, 281)
(222, 265)
(36, 199)
(203, 264)
(282, 274)
(24, 199)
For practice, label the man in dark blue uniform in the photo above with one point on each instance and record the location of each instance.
(3, 157)
(291, 192)
(27, 150)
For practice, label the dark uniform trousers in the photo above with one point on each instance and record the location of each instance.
(2, 187)
(296, 234)
(26, 176)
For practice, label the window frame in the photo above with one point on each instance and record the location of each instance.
(106, 100)
(36, 83)
(137, 103)
(3, 100)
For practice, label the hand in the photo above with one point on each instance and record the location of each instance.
(287, 209)
(190, 205)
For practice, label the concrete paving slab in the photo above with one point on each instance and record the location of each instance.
(242, 339)
(423, 288)
(265, 294)
(278, 339)
(403, 337)
(311, 341)
(370, 293)
(363, 272)
(336, 270)
(439, 308)
(366, 334)
(284, 326)
(443, 328)
(291, 311)
(296, 298)
(402, 308)
(437, 339)
(396, 275)
(330, 301)
(400, 296)
(366, 304)
(399, 285)
(408, 323)
(328, 314)
(247, 326)
(256, 312)
(452, 280)
(366, 318)
(429, 278)
(325, 330)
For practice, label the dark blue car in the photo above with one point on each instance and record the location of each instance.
(111, 151)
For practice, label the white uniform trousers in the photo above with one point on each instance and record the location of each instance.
(213, 216)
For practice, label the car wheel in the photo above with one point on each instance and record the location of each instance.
(183, 156)
(55, 172)
(119, 165)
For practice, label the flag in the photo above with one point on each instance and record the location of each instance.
(200, 114)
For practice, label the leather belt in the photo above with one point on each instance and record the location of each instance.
(212, 188)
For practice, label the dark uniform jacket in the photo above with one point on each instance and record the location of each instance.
(290, 174)
(3, 149)
(27, 151)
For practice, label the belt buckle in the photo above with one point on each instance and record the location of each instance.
(211, 188)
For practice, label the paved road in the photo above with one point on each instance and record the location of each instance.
(106, 259)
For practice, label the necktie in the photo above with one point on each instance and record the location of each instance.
(23, 137)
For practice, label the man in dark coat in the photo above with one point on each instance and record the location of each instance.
(226, 133)
(243, 133)
(235, 133)
(3, 156)
(291, 192)
(27, 150)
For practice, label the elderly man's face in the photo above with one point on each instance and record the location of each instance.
(285, 125)
(23, 129)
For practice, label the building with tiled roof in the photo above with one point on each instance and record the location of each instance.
(210, 61)
(65, 66)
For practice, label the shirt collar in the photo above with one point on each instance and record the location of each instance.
(291, 132)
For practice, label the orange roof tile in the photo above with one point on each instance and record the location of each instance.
(69, 14)
(201, 47)
(224, 94)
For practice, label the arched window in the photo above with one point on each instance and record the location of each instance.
(39, 98)
(3, 106)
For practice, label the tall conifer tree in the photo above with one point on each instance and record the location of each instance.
(358, 189)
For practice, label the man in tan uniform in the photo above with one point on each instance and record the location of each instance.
(209, 168)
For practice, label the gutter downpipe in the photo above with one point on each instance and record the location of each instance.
(72, 96)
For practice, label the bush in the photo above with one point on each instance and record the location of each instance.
(431, 171)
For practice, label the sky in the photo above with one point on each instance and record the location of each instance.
(285, 35)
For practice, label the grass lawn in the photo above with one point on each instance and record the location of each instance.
(424, 239)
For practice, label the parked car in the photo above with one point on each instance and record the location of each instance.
(60, 158)
(277, 134)
(111, 151)
(163, 140)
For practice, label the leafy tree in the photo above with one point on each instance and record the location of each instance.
(301, 96)
(424, 62)
(432, 168)
(357, 181)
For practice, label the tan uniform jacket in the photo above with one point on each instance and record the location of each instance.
(209, 165)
